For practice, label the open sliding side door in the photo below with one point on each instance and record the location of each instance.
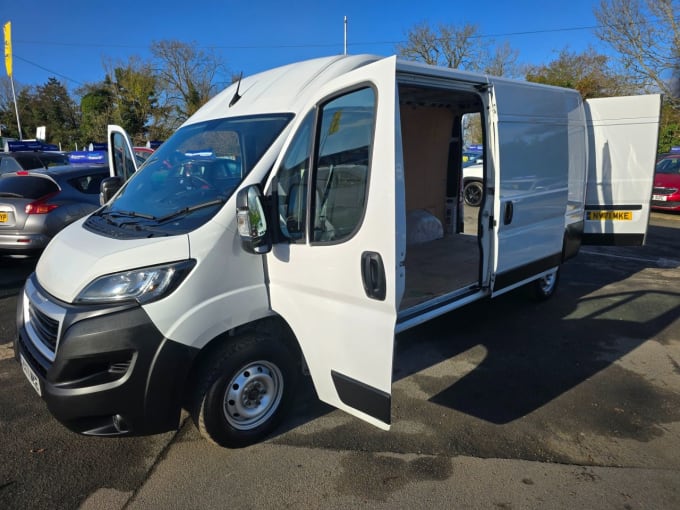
(622, 144)
(339, 276)
(121, 156)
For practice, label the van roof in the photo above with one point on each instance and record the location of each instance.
(280, 90)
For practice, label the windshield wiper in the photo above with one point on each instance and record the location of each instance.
(130, 214)
(191, 208)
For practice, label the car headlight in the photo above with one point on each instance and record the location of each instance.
(142, 285)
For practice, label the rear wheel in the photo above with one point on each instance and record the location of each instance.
(472, 193)
(245, 391)
(545, 286)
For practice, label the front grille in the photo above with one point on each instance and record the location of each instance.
(664, 191)
(45, 327)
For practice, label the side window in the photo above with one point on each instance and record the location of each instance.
(9, 164)
(292, 183)
(345, 141)
(88, 183)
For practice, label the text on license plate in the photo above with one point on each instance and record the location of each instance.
(30, 375)
(660, 198)
(610, 215)
(3, 217)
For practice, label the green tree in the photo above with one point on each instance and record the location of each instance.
(58, 112)
(588, 72)
(133, 88)
(96, 107)
(187, 75)
(49, 105)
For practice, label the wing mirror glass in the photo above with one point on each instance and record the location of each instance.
(108, 188)
(252, 221)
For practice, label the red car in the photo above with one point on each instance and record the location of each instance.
(666, 192)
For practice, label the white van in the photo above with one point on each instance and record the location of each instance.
(298, 221)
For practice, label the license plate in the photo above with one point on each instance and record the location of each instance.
(660, 198)
(30, 375)
(3, 217)
(609, 215)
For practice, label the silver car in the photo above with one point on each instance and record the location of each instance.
(36, 204)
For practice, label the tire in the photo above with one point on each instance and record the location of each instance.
(244, 391)
(545, 287)
(473, 192)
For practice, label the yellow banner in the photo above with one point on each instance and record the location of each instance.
(8, 48)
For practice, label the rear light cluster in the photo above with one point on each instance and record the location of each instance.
(42, 205)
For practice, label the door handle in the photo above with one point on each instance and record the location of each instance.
(373, 275)
(509, 211)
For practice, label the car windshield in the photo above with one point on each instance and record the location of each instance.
(668, 166)
(193, 173)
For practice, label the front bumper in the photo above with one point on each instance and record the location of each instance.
(102, 370)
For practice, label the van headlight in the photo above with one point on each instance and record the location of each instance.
(142, 285)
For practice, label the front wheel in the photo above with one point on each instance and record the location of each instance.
(245, 391)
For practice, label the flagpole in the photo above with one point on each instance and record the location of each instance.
(16, 108)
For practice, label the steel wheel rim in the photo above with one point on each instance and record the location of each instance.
(473, 194)
(547, 283)
(253, 395)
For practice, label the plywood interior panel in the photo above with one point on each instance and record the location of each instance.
(426, 133)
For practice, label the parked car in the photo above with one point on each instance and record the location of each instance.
(36, 204)
(473, 189)
(142, 154)
(666, 191)
(30, 160)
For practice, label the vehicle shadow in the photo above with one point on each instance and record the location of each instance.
(13, 274)
(535, 352)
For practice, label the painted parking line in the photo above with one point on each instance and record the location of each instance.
(660, 262)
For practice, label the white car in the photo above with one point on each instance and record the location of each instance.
(473, 190)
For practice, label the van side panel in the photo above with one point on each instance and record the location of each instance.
(539, 165)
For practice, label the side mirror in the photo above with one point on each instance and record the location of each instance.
(252, 221)
(108, 188)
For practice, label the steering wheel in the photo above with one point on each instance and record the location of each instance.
(202, 183)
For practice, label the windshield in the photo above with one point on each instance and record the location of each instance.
(668, 166)
(188, 178)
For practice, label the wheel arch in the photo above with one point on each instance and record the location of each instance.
(274, 326)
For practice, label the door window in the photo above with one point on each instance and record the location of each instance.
(292, 183)
(345, 140)
(343, 147)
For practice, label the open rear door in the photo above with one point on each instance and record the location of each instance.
(622, 144)
(338, 277)
(121, 156)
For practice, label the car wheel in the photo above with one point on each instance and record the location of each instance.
(473, 193)
(245, 391)
(545, 287)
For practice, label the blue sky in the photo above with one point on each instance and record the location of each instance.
(70, 39)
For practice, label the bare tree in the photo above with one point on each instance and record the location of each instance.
(188, 75)
(502, 61)
(458, 47)
(646, 36)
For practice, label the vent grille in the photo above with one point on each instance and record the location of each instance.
(45, 327)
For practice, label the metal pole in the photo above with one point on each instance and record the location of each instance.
(345, 35)
(16, 108)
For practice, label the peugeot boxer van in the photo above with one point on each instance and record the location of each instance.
(302, 218)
